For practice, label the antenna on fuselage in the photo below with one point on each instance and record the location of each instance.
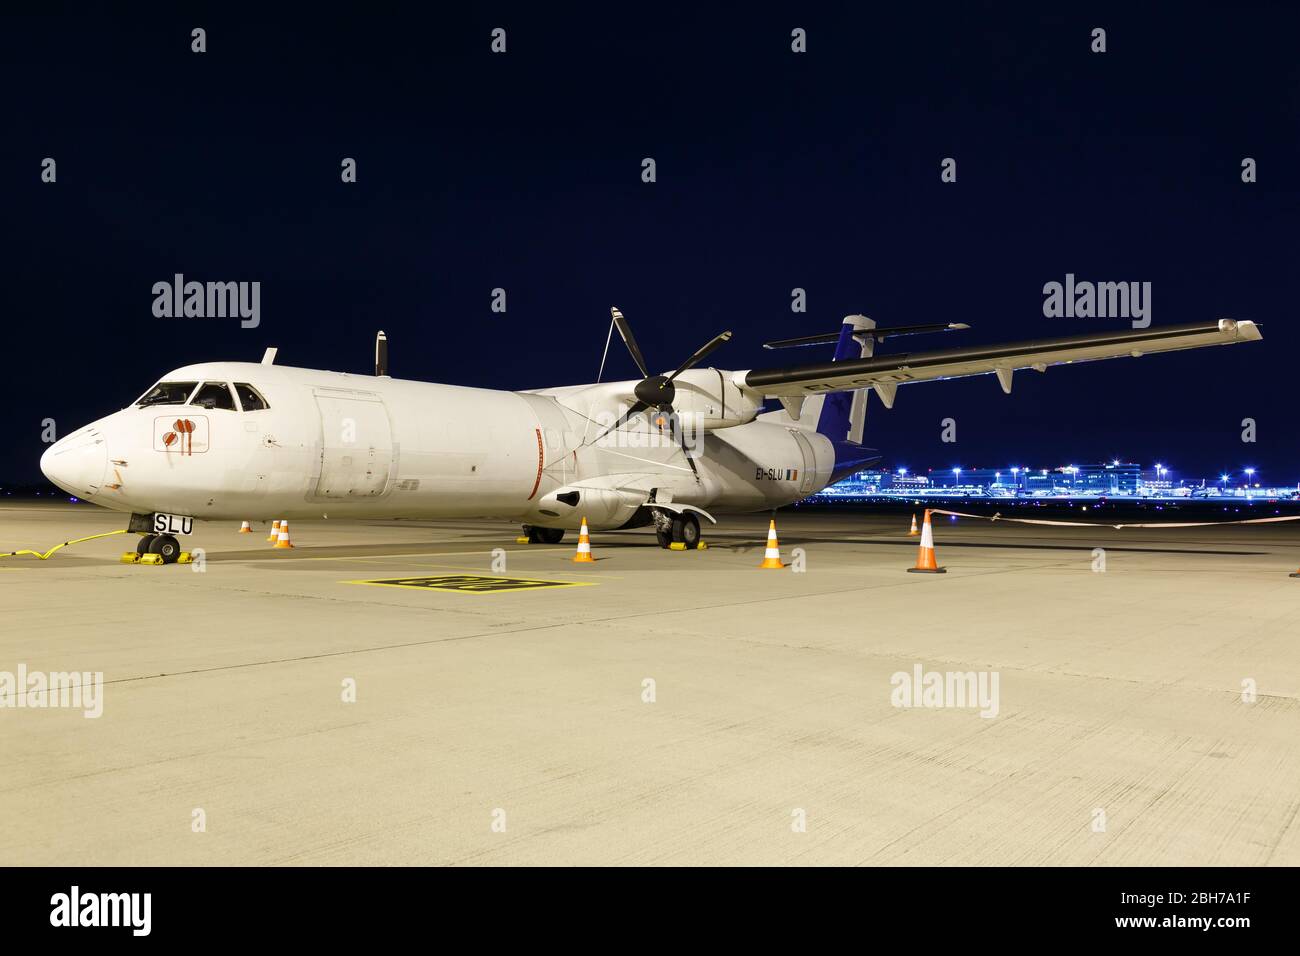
(268, 357)
(381, 355)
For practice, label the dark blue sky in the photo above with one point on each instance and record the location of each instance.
(775, 170)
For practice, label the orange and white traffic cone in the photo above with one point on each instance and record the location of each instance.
(913, 533)
(925, 562)
(283, 540)
(772, 556)
(274, 536)
(245, 528)
(584, 545)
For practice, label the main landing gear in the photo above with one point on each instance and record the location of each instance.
(677, 532)
(534, 535)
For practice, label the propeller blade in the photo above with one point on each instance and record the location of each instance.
(625, 331)
(701, 355)
(636, 409)
(690, 459)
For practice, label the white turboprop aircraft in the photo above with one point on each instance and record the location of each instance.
(238, 440)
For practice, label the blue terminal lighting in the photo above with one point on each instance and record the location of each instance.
(1113, 480)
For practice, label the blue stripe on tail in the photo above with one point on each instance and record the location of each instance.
(834, 419)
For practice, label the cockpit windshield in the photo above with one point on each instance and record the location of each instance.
(167, 393)
(214, 395)
(249, 397)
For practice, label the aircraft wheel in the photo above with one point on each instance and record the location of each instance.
(686, 529)
(665, 538)
(551, 535)
(167, 547)
(142, 546)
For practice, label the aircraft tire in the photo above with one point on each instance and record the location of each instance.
(686, 529)
(142, 546)
(166, 547)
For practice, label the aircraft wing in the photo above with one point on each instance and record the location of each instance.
(886, 372)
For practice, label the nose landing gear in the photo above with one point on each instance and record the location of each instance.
(156, 549)
(166, 547)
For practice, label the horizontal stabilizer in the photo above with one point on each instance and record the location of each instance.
(878, 334)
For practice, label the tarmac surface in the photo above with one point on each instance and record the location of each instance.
(678, 708)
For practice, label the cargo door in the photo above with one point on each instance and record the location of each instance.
(356, 445)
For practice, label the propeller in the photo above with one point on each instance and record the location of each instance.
(657, 391)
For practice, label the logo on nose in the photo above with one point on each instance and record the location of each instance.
(185, 436)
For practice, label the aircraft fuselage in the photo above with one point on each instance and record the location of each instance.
(342, 445)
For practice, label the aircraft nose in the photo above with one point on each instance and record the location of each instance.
(76, 463)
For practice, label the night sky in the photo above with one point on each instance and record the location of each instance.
(775, 170)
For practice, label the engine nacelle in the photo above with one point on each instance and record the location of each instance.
(709, 399)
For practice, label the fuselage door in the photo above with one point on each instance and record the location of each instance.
(356, 445)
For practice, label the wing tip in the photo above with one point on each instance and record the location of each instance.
(1242, 329)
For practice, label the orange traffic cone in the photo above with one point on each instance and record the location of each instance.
(584, 545)
(925, 561)
(913, 533)
(275, 532)
(772, 556)
(1295, 574)
(283, 540)
(245, 528)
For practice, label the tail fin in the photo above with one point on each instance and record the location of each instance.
(841, 416)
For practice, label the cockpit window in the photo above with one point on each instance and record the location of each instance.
(167, 393)
(214, 395)
(250, 397)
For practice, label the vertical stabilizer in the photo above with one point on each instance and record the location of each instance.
(843, 415)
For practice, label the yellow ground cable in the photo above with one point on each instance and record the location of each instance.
(46, 555)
